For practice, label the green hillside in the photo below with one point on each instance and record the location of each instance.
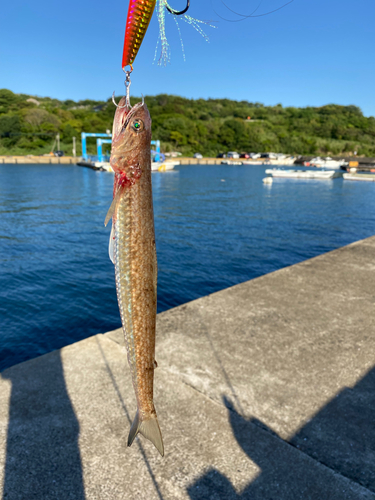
(28, 125)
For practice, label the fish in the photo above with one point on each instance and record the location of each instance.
(133, 252)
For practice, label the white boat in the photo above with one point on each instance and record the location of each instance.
(252, 162)
(325, 162)
(103, 165)
(156, 166)
(231, 162)
(287, 160)
(359, 177)
(279, 160)
(302, 174)
(163, 166)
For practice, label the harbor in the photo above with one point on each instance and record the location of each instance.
(187, 260)
(349, 164)
(238, 421)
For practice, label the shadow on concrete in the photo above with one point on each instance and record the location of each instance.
(42, 455)
(340, 436)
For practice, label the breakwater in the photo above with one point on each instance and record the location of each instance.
(364, 164)
(263, 390)
(38, 160)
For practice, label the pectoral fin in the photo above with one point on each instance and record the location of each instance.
(111, 246)
(112, 208)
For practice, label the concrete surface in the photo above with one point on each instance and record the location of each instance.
(264, 391)
(31, 159)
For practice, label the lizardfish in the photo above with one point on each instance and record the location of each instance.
(132, 250)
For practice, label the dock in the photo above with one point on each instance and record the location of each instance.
(364, 164)
(42, 160)
(265, 390)
(70, 160)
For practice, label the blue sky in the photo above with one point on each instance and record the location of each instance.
(308, 53)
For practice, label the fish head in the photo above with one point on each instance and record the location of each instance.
(131, 141)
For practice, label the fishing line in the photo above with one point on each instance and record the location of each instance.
(258, 15)
(234, 20)
(245, 16)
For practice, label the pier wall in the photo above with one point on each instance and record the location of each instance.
(365, 163)
(265, 390)
(43, 160)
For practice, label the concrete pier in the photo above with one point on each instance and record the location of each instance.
(42, 160)
(264, 391)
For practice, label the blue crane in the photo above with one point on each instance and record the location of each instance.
(83, 138)
(99, 149)
(100, 142)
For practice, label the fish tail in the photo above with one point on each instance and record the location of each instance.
(149, 428)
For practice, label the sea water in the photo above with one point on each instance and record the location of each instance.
(216, 226)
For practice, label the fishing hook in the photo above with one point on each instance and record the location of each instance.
(175, 12)
(127, 87)
(114, 102)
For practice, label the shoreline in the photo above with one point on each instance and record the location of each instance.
(43, 160)
(184, 160)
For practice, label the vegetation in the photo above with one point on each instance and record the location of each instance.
(28, 125)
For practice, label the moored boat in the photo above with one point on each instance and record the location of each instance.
(359, 177)
(253, 162)
(302, 174)
(231, 162)
(163, 166)
(327, 162)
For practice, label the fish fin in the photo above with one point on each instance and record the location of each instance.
(111, 211)
(149, 429)
(111, 246)
(112, 208)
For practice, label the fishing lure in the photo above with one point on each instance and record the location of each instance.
(162, 6)
(139, 17)
(138, 20)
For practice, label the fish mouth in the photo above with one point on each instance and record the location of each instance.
(131, 112)
(123, 116)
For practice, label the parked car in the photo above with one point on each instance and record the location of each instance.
(244, 155)
(233, 154)
(221, 155)
(58, 153)
(198, 155)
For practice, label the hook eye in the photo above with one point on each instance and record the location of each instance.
(175, 12)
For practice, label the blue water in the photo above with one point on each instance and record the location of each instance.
(215, 226)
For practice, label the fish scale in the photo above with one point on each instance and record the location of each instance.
(134, 282)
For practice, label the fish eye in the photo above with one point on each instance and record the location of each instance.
(137, 125)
